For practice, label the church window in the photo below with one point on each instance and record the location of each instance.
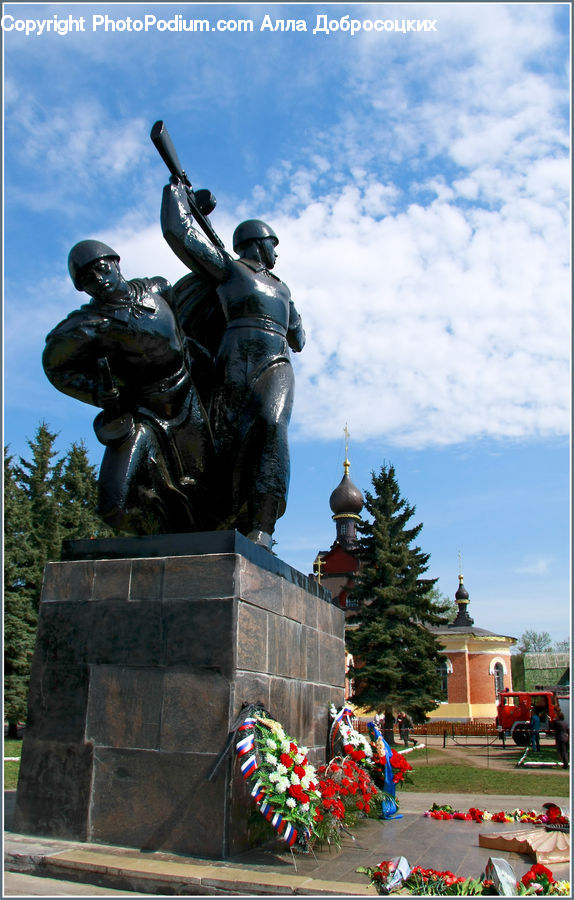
(498, 678)
(444, 669)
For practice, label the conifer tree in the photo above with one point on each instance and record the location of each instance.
(47, 499)
(41, 478)
(19, 611)
(396, 656)
(78, 518)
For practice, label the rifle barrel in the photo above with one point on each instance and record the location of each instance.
(164, 144)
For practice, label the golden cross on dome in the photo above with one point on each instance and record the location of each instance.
(318, 563)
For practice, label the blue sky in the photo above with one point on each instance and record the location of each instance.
(419, 184)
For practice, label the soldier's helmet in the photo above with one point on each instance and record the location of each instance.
(251, 230)
(86, 252)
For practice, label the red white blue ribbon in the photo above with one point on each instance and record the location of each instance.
(343, 717)
(245, 749)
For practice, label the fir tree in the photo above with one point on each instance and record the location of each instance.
(46, 500)
(41, 478)
(19, 611)
(78, 518)
(396, 656)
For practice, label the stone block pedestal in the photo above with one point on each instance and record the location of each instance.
(146, 650)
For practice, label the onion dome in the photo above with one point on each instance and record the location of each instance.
(346, 502)
(346, 499)
(463, 620)
(462, 593)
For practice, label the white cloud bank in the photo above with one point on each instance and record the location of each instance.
(424, 233)
(435, 325)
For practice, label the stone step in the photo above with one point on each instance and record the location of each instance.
(154, 873)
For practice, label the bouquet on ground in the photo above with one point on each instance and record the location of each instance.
(552, 816)
(395, 874)
(399, 765)
(348, 793)
(540, 880)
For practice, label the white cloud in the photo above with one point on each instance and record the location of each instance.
(80, 140)
(423, 227)
(432, 326)
(536, 566)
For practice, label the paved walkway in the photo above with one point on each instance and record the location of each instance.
(442, 845)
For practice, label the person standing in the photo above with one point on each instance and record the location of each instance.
(562, 738)
(535, 731)
(405, 724)
(389, 727)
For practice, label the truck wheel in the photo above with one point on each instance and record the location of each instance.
(521, 736)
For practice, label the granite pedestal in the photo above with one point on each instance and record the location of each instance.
(146, 650)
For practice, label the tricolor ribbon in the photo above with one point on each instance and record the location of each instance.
(249, 766)
(342, 717)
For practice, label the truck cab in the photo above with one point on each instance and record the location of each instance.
(515, 708)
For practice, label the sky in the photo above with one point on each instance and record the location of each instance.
(414, 160)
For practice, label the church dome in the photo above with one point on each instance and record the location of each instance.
(346, 499)
(462, 593)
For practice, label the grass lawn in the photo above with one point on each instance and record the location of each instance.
(544, 755)
(451, 775)
(447, 778)
(11, 767)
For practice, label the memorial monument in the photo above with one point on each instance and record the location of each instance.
(150, 644)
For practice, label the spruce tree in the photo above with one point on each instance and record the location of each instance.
(46, 500)
(19, 609)
(41, 478)
(396, 656)
(78, 518)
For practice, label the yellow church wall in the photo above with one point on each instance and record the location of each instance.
(463, 711)
(451, 711)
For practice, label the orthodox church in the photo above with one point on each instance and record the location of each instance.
(476, 662)
(475, 667)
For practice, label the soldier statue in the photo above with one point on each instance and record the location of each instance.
(252, 389)
(124, 352)
(195, 382)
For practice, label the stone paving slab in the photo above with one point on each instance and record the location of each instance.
(18, 885)
(452, 845)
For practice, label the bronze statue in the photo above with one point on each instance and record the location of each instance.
(195, 381)
(252, 395)
(124, 351)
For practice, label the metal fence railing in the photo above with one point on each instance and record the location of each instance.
(440, 726)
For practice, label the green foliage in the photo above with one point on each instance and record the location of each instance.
(562, 646)
(396, 656)
(40, 478)
(46, 500)
(19, 596)
(534, 642)
(517, 668)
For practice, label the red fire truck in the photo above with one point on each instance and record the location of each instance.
(514, 709)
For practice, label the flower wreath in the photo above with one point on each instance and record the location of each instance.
(344, 740)
(284, 783)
